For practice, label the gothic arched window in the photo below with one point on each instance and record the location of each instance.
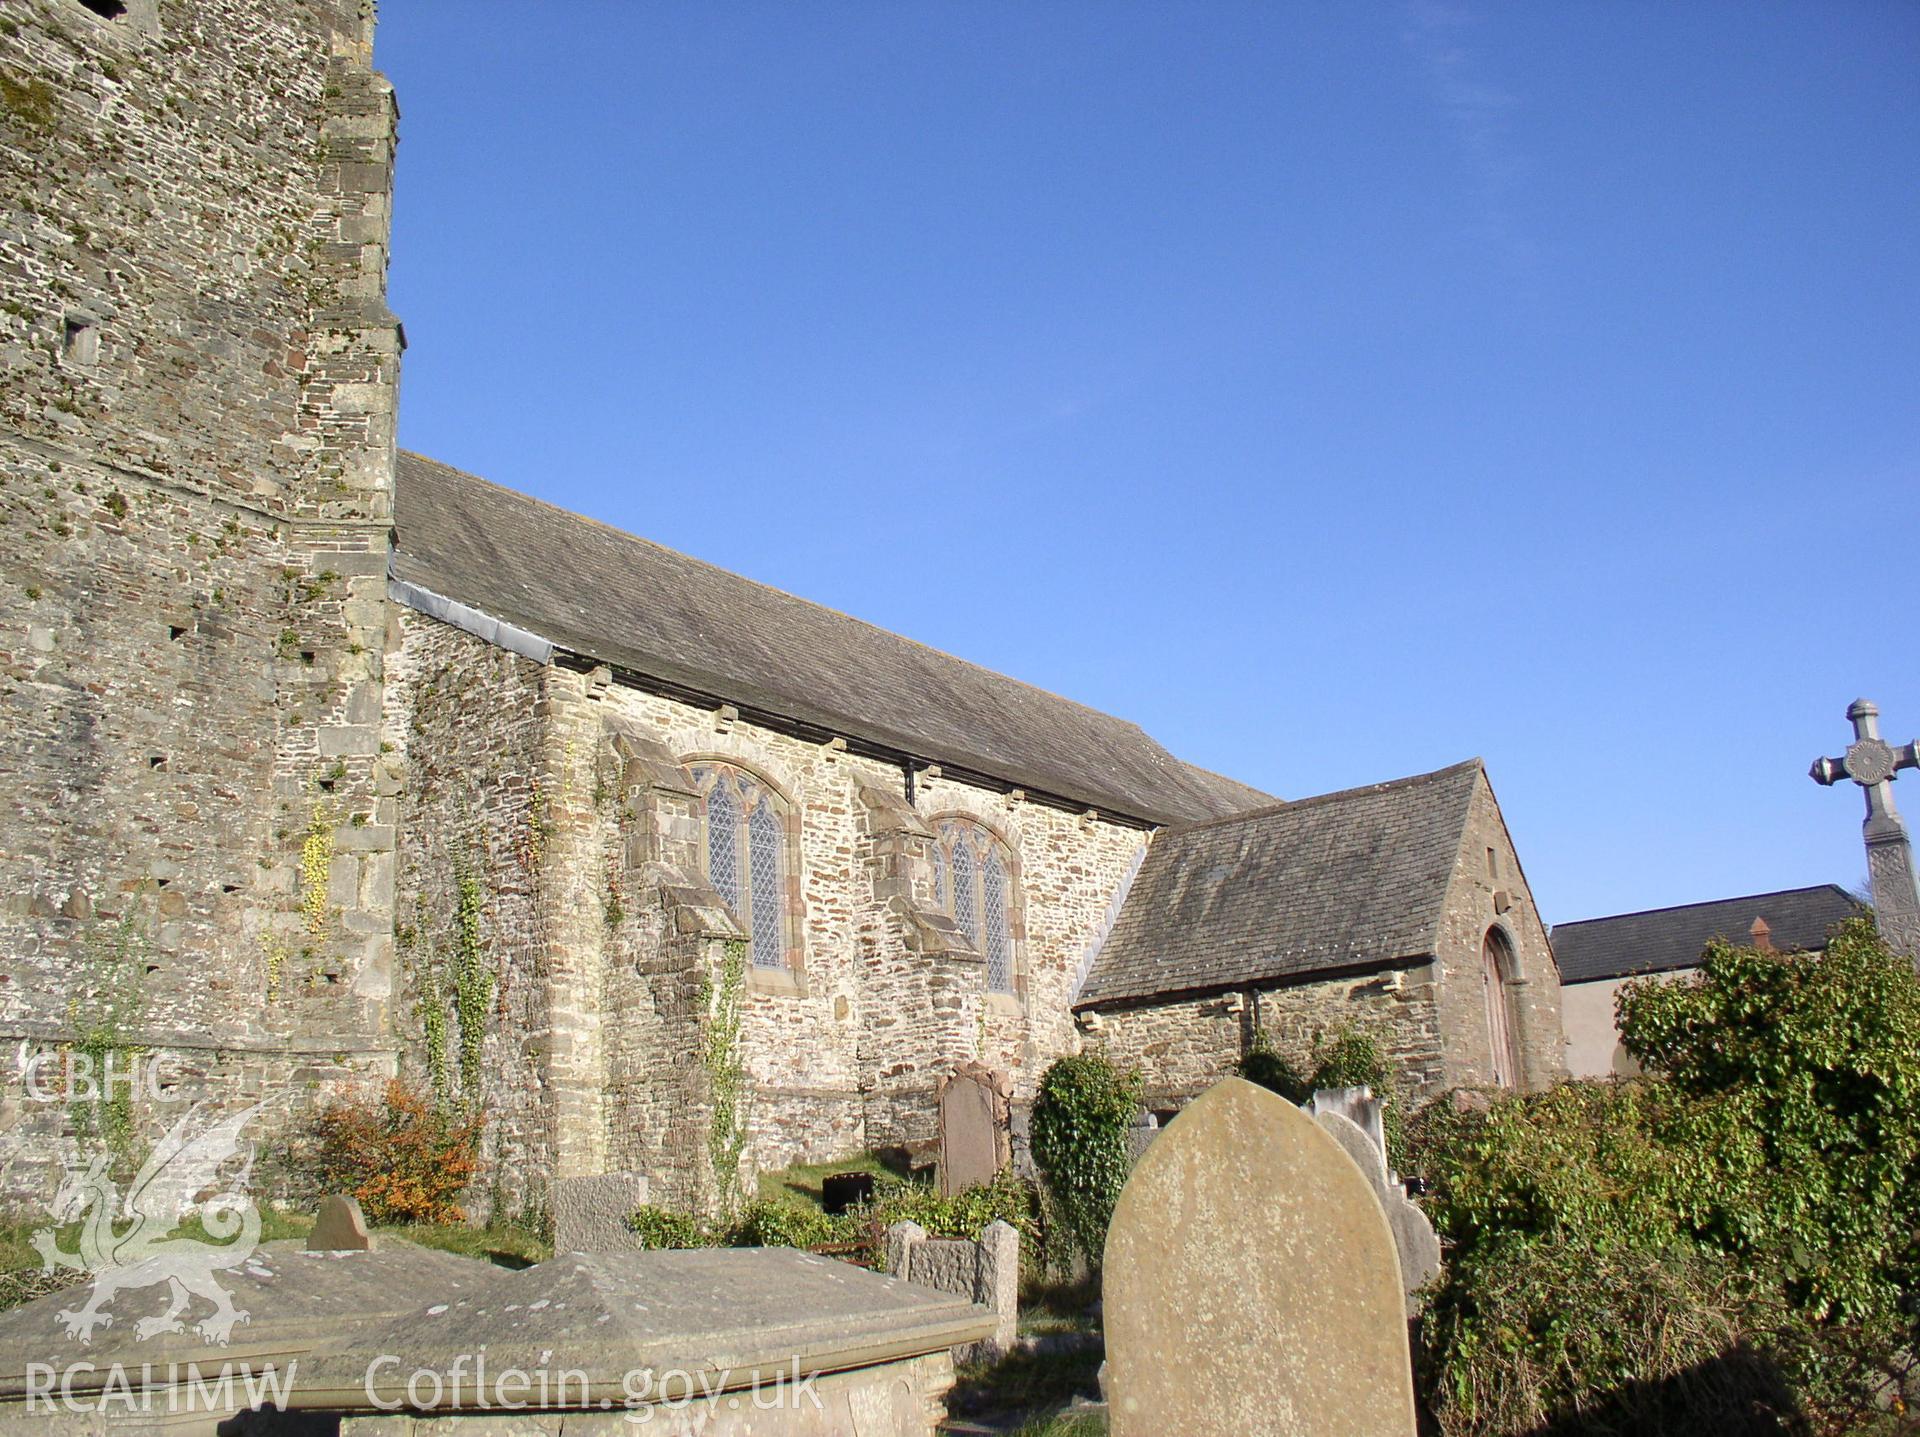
(973, 876)
(747, 855)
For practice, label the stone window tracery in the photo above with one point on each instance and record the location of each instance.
(973, 880)
(747, 855)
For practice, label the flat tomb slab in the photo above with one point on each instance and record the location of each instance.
(774, 1341)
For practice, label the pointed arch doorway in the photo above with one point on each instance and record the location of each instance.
(1496, 973)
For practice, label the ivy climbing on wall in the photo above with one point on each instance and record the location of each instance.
(472, 981)
(102, 1011)
(726, 1072)
(430, 1002)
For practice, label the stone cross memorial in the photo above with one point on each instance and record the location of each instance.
(1872, 763)
(1252, 1284)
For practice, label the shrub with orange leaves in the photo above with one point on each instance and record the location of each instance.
(404, 1159)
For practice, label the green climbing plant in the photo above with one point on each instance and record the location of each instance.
(430, 1003)
(726, 1072)
(316, 868)
(102, 1010)
(274, 948)
(1080, 1119)
(472, 982)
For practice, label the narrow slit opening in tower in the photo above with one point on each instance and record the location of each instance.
(80, 340)
(106, 9)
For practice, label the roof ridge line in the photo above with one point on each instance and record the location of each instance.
(1391, 785)
(1705, 903)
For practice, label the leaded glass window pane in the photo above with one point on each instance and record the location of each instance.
(942, 893)
(763, 857)
(966, 897)
(993, 908)
(723, 841)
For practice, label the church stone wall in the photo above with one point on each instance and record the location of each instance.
(1482, 896)
(554, 805)
(1430, 1019)
(847, 1056)
(197, 375)
(1184, 1046)
(465, 733)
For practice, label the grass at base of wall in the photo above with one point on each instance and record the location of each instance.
(802, 1182)
(499, 1243)
(1051, 1305)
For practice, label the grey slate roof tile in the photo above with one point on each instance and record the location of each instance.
(1660, 940)
(1344, 879)
(618, 599)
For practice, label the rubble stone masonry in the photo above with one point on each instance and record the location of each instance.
(197, 379)
(564, 798)
(260, 816)
(1429, 1015)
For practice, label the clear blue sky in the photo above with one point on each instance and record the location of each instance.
(1338, 390)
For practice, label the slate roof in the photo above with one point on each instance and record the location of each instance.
(1345, 879)
(1660, 940)
(622, 600)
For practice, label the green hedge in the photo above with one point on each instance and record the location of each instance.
(1736, 1234)
(1348, 1058)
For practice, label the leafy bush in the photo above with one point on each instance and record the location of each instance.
(1080, 1119)
(1270, 1068)
(1729, 1238)
(967, 1213)
(1352, 1059)
(776, 1222)
(662, 1227)
(1800, 1081)
(788, 1224)
(400, 1156)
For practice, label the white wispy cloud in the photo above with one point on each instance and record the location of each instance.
(1478, 110)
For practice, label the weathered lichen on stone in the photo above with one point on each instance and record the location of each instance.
(316, 870)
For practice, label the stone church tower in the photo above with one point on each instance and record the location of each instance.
(326, 763)
(196, 459)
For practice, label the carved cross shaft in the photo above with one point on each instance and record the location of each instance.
(1872, 763)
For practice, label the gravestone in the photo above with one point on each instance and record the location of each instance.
(767, 1342)
(590, 1214)
(1873, 763)
(1354, 1118)
(339, 1226)
(1140, 1136)
(1251, 1283)
(975, 1126)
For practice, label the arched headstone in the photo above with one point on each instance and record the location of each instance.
(1251, 1283)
